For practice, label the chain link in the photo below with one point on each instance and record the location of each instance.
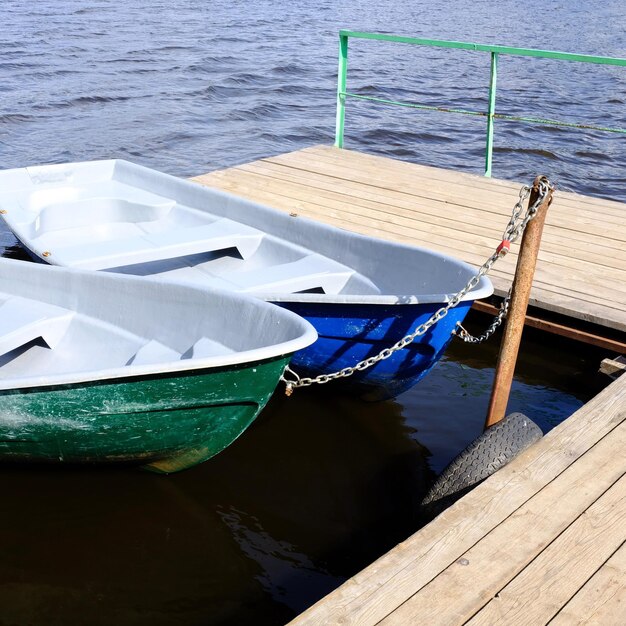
(461, 333)
(514, 229)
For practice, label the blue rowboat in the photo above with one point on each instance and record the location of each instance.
(362, 294)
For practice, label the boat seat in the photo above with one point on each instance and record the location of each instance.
(154, 352)
(23, 320)
(218, 235)
(313, 271)
(206, 347)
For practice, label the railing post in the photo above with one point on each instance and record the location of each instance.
(490, 113)
(341, 88)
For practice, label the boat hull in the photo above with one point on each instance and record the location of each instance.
(163, 423)
(350, 333)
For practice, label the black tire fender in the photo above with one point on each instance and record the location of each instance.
(492, 450)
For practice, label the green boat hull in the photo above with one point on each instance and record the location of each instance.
(163, 423)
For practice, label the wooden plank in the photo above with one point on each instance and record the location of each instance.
(568, 304)
(585, 301)
(396, 207)
(614, 367)
(374, 175)
(608, 282)
(409, 195)
(408, 204)
(556, 250)
(602, 600)
(582, 264)
(539, 591)
(390, 581)
(438, 175)
(470, 581)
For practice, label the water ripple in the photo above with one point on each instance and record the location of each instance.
(534, 151)
(115, 73)
(16, 118)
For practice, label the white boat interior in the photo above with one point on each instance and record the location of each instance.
(117, 216)
(63, 326)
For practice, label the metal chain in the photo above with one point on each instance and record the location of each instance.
(512, 232)
(461, 333)
(515, 227)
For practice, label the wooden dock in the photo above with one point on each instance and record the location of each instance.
(541, 541)
(544, 539)
(581, 272)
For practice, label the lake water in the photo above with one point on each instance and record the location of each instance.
(320, 485)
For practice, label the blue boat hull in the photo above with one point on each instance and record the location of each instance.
(350, 333)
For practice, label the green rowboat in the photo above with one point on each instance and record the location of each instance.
(103, 368)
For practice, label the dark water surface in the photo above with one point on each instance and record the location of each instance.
(320, 485)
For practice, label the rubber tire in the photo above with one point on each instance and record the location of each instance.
(496, 447)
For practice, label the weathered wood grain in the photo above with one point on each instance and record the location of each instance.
(547, 583)
(581, 271)
(602, 600)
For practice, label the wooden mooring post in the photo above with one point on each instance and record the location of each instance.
(520, 294)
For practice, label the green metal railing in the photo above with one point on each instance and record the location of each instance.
(490, 114)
